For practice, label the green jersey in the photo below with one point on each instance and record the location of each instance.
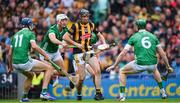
(21, 45)
(145, 44)
(47, 45)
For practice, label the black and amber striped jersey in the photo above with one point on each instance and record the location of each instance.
(81, 33)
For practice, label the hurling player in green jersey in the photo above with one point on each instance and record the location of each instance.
(146, 45)
(20, 60)
(53, 39)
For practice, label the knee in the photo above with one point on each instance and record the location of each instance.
(50, 69)
(97, 71)
(81, 76)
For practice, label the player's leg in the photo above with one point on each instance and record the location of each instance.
(57, 58)
(54, 57)
(34, 66)
(93, 62)
(158, 79)
(129, 68)
(27, 85)
(90, 70)
(39, 66)
(79, 66)
(81, 73)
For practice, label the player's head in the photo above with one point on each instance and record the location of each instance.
(141, 24)
(27, 22)
(62, 20)
(84, 15)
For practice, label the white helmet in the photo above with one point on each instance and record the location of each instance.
(59, 17)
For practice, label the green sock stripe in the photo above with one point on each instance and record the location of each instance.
(160, 85)
(25, 95)
(122, 89)
(44, 90)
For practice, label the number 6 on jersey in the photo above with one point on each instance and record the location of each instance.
(145, 42)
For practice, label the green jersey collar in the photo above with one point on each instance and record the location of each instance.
(142, 30)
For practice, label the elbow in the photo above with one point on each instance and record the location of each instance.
(162, 53)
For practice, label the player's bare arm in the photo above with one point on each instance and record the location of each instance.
(10, 68)
(68, 39)
(39, 50)
(54, 40)
(101, 38)
(120, 56)
(164, 57)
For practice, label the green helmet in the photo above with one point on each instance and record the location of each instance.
(94, 38)
(141, 23)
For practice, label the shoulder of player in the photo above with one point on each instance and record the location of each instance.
(151, 34)
(26, 32)
(134, 35)
(53, 28)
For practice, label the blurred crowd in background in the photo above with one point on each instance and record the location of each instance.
(113, 18)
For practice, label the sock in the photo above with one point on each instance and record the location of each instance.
(44, 90)
(122, 91)
(25, 95)
(160, 85)
(162, 91)
(98, 91)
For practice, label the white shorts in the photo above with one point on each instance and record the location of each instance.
(141, 68)
(26, 66)
(78, 59)
(53, 56)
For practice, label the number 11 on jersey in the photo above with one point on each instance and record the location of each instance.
(18, 40)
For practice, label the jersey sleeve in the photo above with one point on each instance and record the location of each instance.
(32, 37)
(72, 30)
(131, 41)
(51, 31)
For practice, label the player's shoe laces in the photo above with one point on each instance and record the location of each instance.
(24, 100)
(121, 98)
(46, 96)
(99, 96)
(79, 97)
(163, 94)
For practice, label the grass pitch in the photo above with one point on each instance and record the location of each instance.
(170, 100)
